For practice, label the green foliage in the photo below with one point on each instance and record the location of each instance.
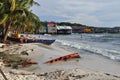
(16, 14)
(3, 18)
(71, 24)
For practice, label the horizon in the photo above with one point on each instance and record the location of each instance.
(103, 13)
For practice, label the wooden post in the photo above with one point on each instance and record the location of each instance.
(3, 74)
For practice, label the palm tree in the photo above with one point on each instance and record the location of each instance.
(16, 13)
(32, 21)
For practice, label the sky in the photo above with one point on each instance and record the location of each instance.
(97, 13)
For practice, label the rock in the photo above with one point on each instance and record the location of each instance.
(2, 64)
(3, 46)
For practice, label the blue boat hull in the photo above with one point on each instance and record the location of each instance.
(48, 42)
(44, 41)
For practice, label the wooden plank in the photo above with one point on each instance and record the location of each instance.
(3, 74)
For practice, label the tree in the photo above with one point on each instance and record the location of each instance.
(15, 13)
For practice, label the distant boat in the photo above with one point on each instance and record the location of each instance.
(32, 40)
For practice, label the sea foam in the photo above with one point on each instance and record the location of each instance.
(112, 54)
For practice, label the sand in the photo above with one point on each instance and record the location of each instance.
(63, 70)
(74, 74)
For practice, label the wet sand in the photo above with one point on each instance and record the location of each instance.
(43, 53)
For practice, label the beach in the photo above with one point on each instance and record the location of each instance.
(75, 69)
(41, 41)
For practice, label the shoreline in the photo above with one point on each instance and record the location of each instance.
(43, 53)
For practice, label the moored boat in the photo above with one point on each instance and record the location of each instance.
(44, 41)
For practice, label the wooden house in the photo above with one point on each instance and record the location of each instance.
(88, 29)
(51, 27)
(64, 29)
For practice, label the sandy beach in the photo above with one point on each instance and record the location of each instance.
(75, 69)
(62, 40)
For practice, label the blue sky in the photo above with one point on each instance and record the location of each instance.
(98, 13)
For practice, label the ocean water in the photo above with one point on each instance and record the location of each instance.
(106, 45)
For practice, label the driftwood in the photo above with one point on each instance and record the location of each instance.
(64, 58)
(3, 74)
(26, 52)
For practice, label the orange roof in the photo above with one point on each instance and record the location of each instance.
(51, 23)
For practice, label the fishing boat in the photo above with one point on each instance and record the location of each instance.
(32, 40)
(44, 41)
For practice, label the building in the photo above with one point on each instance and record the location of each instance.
(51, 28)
(77, 29)
(64, 29)
(51, 24)
(88, 30)
(116, 30)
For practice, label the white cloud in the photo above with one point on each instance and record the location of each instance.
(87, 12)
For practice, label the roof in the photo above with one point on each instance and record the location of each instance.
(64, 27)
(51, 23)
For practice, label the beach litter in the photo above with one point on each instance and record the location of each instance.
(64, 58)
(27, 62)
(26, 52)
(2, 45)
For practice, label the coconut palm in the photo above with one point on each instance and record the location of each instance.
(16, 13)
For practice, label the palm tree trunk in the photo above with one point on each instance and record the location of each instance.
(6, 32)
(5, 35)
(4, 29)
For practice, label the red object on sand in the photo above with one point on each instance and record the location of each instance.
(28, 62)
(64, 58)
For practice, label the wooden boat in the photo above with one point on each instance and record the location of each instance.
(64, 58)
(15, 39)
(44, 41)
(31, 40)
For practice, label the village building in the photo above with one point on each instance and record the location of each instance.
(64, 29)
(115, 30)
(77, 29)
(51, 28)
(88, 29)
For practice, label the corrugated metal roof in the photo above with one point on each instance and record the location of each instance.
(63, 27)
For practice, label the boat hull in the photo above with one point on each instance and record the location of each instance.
(24, 40)
(44, 41)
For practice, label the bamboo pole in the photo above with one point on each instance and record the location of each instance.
(3, 74)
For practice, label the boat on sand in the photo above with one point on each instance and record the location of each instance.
(31, 40)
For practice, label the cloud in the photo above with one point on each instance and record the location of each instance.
(87, 12)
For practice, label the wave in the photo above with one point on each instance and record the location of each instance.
(96, 35)
(112, 54)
